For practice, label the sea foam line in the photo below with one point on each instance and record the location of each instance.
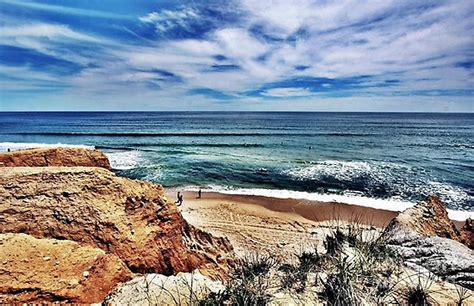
(29, 145)
(386, 204)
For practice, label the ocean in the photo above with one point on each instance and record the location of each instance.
(388, 160)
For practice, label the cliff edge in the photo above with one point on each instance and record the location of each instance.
(50, 157)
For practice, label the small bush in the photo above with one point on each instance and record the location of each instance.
(334, 242)
(419, 291)
(249, 283)
(338, 287)
(296, 277)
(254, 265)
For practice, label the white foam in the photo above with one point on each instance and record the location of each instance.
(124, 160)
(4, 146)
(392, 204)
(396, 178)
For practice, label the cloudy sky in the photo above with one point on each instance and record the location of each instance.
(346, 55)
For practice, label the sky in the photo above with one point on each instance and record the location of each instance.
(344, 55)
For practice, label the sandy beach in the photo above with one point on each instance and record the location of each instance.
(279, 226)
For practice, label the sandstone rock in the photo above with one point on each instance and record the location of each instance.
(37, 280)
(44, 157)
(157, 289)
(427, 218)
(128, 218)
(425, 236)
(467, 233)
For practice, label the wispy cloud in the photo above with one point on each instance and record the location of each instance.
(69, 10)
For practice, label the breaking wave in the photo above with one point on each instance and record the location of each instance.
(380, 180)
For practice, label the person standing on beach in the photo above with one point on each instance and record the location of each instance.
(199, 194)
(178, 196)
(180, 200)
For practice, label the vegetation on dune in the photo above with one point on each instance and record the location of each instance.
(356, 267)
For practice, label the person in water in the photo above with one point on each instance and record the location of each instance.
(199, 194)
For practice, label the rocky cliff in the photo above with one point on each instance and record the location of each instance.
(87, 230)
(426, 237)
(46, 157)
(128, 218)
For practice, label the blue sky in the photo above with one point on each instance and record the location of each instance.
(346, 55)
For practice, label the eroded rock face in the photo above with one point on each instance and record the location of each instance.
(425, 236)
(37, 270)
(45, 157)
(128, 218)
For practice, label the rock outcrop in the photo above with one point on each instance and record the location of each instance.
(128, 218)
(35, 270)
(48, 157)
(427, 218)
(467, 233)
(425, 236)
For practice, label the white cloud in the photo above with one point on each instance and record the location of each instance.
(50, 39)
(43, 30)
(284, 92)
(168, 19)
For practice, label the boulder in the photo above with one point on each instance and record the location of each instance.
(47, 270)
(130, 219)
(424, 235)
(46, 157)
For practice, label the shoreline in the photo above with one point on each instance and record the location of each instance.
(315, 211)
(311, 210)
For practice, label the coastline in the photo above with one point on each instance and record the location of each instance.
(377, 212)
(127, 160)
(316, 211)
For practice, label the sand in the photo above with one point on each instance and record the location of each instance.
(277, 226)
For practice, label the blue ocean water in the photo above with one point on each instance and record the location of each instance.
(402, 156)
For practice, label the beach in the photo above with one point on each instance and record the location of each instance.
(279, 226)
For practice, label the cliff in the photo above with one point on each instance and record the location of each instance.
(73, 233)
(47, 157)
(128, 218)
